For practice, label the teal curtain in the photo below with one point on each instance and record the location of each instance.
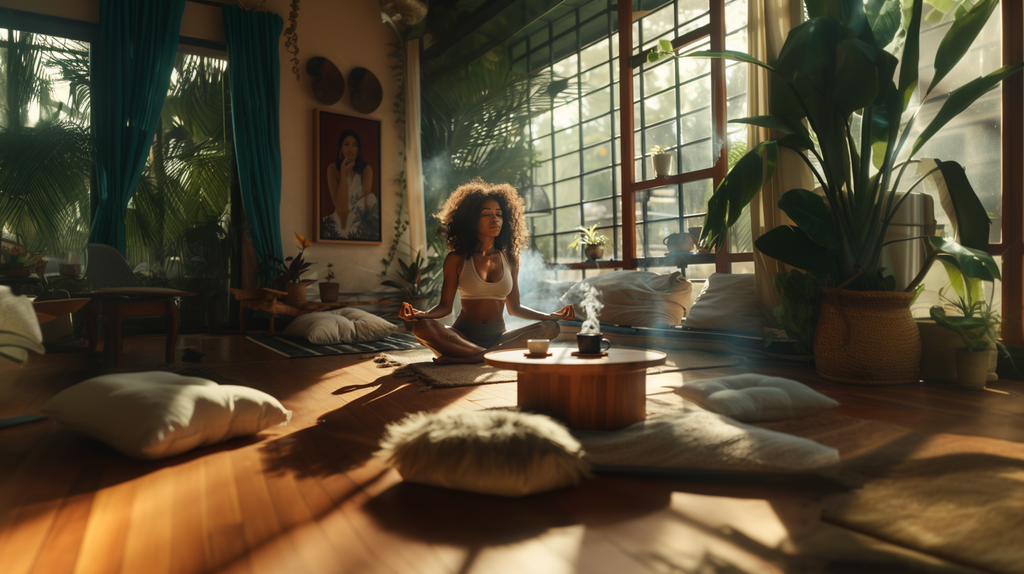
(254, 68)
(131, 71)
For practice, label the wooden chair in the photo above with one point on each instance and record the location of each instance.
(116, 293)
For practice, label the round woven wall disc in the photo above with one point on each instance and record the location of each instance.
(328, 83)
(365, 89)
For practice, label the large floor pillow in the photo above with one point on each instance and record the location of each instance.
(156, 414)
(727, 302)
(638, 298)
(342, 326)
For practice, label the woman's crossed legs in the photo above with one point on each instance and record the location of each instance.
(451, 346)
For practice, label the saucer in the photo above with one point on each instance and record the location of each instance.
(580, 355)
(529, 355)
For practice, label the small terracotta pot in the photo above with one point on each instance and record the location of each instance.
(594, 252)
(296, 294)
(329, 292)
(971, 369)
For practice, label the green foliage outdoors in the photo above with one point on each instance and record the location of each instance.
(835, 84)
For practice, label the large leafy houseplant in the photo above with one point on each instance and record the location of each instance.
(836, 97)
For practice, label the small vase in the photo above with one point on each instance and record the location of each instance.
(594, 252)
(296, 294)
(971, 369)
(662, 164)
(329, 292)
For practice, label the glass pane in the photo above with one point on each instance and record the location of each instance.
(736, 25)
(567, 192)
(567, 141)
(567, 166)
(542, 174)
(567, 115)
(599, 76)
(657, 233)
(660, 77)
(597, 157)
(657, 23)
(566, 67)
(696, 195)
(564, 255)
(543, 224)
(597, 103)
(594, 55)
(662, 203)
(543, 148)
(541, 125)
(597, 185)
(597, 130)
(567, 218)
(692, 15)
(599, 212)
(661, 107)
(545, 247)
(696, 156)
(665, 135)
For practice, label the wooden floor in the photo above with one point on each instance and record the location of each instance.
(310, 498)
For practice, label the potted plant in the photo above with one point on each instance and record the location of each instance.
(418, 281)
(978, 327)
(662, 160)
(833, 76)
(290, 274)
(592, 241)
(329, 290)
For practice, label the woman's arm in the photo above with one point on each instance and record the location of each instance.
(516, 309)
(452, 266)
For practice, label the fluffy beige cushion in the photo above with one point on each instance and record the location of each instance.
(341, 326)
(638, 298)
(756, 398)
(157, 414)
(498, 452)
(727, 303)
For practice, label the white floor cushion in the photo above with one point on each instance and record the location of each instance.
(727, 302)
(756, 398)
(702, 440)
(506, 453)
(342, 326)
(154, 415)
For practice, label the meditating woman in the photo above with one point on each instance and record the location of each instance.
(350, 181)
(484, 228)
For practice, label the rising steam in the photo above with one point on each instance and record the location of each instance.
(592, 306)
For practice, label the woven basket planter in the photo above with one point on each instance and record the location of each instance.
(867, 338)
(296, 294)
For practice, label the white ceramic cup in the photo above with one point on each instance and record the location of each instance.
(537, 346)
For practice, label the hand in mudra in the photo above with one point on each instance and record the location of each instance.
(566, 313)
(407, 313)
(347, 165)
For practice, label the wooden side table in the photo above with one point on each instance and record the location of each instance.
(605, 393)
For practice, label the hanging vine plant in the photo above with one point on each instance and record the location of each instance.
(291, 37)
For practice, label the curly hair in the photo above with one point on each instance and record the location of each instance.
(458, 217)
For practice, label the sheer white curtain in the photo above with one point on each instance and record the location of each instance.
(768, 23)
(413, 154)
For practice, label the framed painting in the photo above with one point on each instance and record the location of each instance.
(346, 176)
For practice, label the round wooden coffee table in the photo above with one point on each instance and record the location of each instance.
(604, 393)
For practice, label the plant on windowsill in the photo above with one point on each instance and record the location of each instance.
(418, 282)
(290, 274)
(329, 289)
(977, 323)
(661, 158)
(592, 241)
(833, 75)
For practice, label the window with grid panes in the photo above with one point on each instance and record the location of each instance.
(577, 145)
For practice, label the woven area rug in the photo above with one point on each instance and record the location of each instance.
(421, 365)
(953, 496)
(293, 347)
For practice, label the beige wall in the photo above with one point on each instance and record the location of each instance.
(350, 34)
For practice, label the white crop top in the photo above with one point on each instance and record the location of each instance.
(471, 286)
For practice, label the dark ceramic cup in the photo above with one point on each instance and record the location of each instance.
(592, 343)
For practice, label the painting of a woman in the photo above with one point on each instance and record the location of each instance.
(348, 198)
